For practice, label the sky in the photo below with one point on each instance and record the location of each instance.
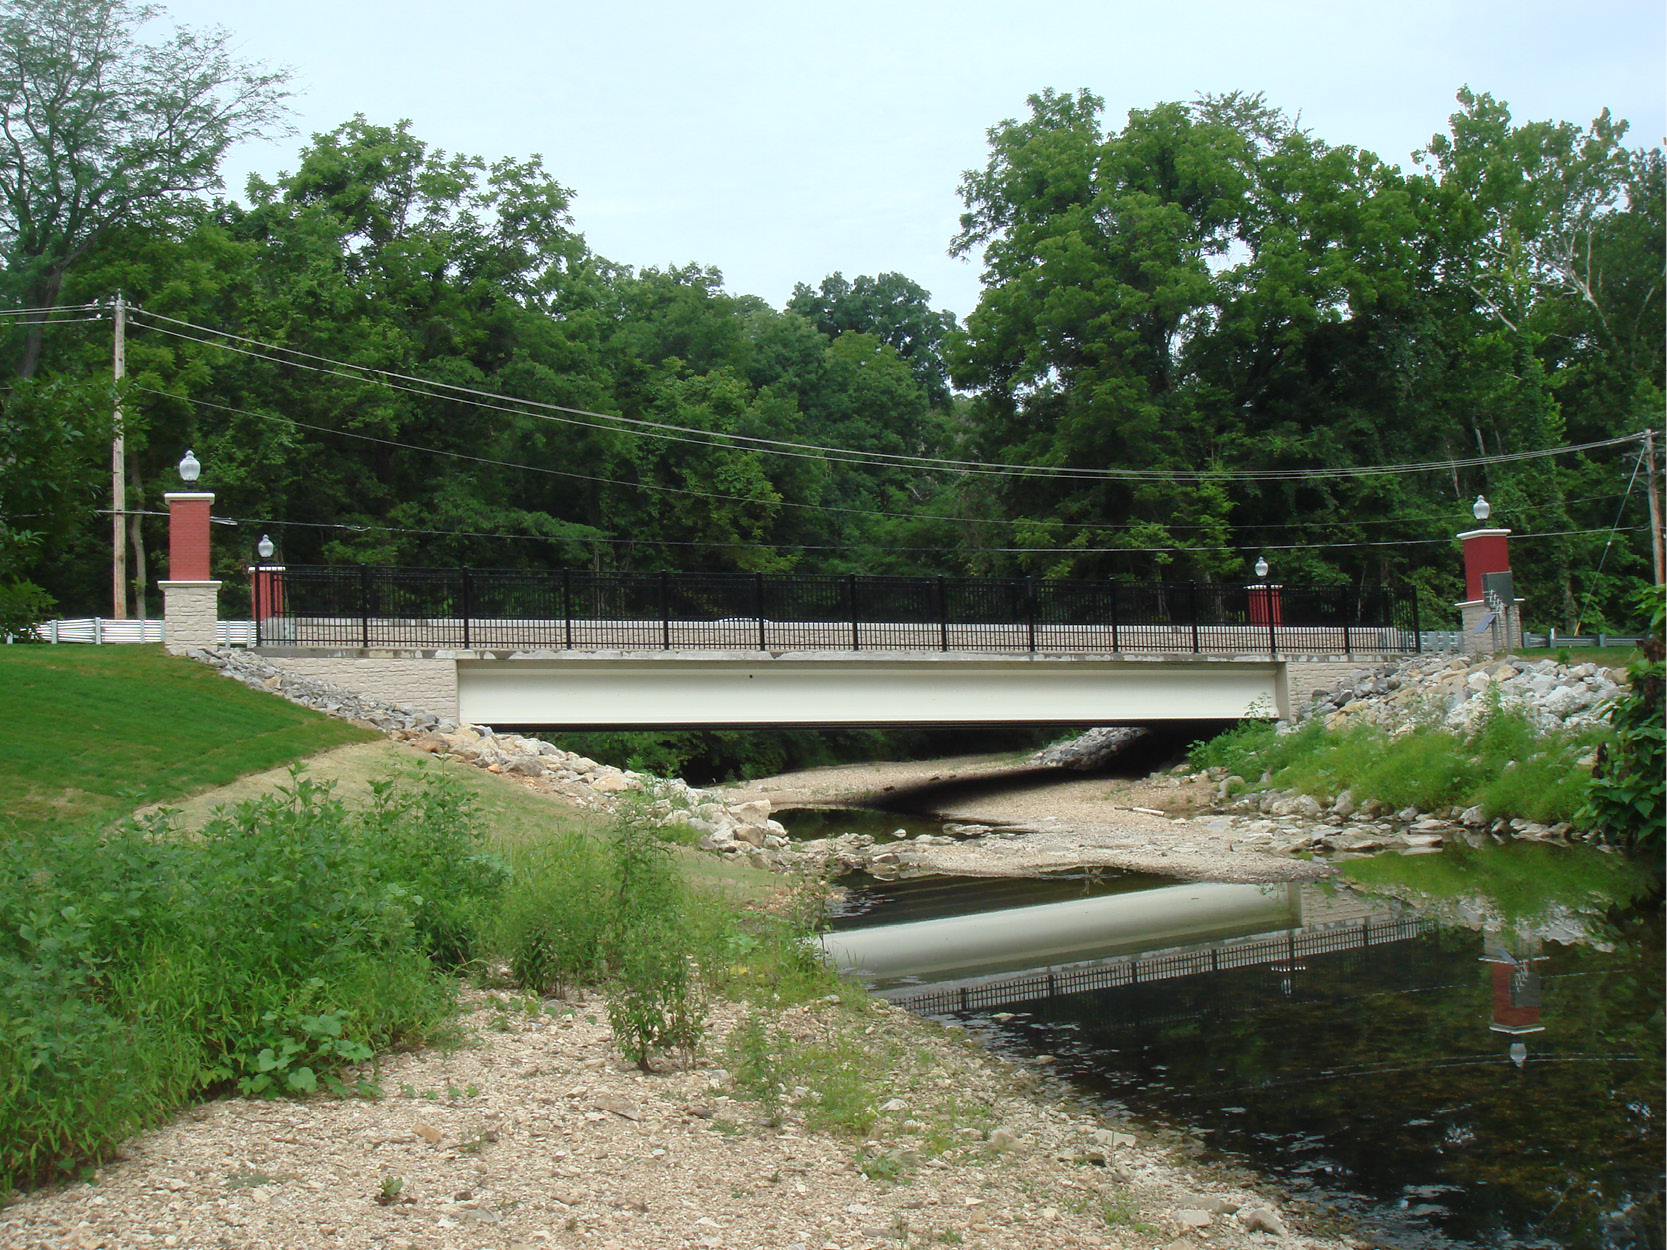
(781, 142)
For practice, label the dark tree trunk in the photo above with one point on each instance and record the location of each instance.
(41, 295)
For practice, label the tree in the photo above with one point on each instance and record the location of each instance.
(891, 308)
(98, 128)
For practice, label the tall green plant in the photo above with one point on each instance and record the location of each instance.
(1626, 800)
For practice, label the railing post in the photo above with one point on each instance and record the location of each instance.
(856, 636)
(364, 606)
(1348, 611)
(1267, 606)
(1030, 610)
(943, 614)
(1192, 602)
(468, 604)
(1418, 634)
(567, 608)
(665, 615)
(1111, 600)
(758, 607)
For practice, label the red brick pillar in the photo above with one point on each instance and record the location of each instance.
(266, 583)
(190, 596)
(1487, 558)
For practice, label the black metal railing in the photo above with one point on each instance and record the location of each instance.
(369, 606)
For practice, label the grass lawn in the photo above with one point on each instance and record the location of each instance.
(90, 733)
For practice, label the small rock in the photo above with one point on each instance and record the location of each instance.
(1004, 1139)
(427, 1132)
(1263, 1220)
(1192, 1217)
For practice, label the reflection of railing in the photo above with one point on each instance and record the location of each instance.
(1165, 965)
(470, 608)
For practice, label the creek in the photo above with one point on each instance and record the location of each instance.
(1441, 1072)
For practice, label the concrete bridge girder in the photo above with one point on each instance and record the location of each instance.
(655, 689)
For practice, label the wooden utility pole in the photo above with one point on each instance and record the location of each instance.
(118, 476)
(1658, 560)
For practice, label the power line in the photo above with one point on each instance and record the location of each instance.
(589, 419)
(785, 503)
(714, 544)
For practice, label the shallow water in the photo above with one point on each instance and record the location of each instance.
(1378, 1077)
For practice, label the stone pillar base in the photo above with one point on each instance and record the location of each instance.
(191, 611)
(1504, 634)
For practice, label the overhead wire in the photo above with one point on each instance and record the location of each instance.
(688, 434)
(661, 488)
(715, 544)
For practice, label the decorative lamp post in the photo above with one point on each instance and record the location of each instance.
(1264, 603)
(190, 596)
(1490, 612)
(266, 588)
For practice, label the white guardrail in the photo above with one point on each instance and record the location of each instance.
(99, 630)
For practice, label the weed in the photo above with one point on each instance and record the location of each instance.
(755, 1060)
(893, 1167)
(388, 1192)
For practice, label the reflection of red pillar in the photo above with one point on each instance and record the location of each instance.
(1264, 605)
(1516, 999)
(266, 586)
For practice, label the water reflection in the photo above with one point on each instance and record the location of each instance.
(1457, 1086)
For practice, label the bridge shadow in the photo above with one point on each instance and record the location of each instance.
(1164, 745)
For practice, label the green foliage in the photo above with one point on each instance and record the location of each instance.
(1504, 765)
(1626, 800)
(551, 925)
(280, 946)
(754, 1056)
(23, 605)
(655, 1000)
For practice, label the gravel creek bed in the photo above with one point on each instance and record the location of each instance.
(533, 1134)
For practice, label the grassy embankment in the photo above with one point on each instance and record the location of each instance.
(277, 946)
(1504, 766)
(270, 946)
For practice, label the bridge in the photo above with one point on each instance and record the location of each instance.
(577, 648)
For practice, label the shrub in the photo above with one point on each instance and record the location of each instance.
(1626, 799)
(655, 1002)
(23, 605)
(138, 968)
(554, 915)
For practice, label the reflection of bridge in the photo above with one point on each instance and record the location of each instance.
(571, 648)
(1019, 955)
